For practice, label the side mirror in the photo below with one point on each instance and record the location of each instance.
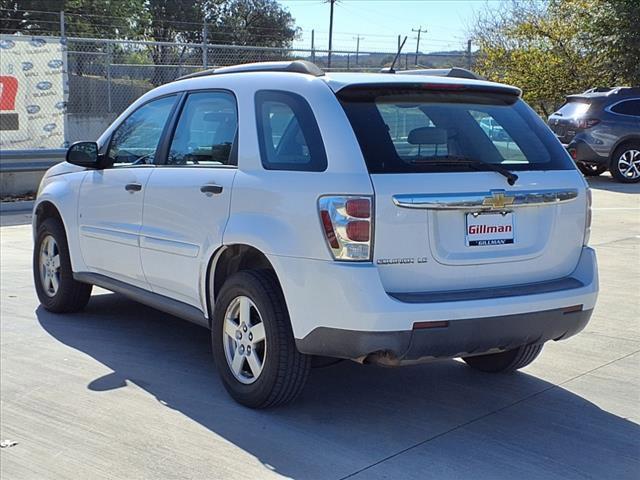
(84, 154)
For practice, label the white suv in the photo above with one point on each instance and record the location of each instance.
(297, 214)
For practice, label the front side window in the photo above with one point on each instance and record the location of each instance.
(206, 130)
(135, 141)
(288, 133)
(412, 130)
(627, 107)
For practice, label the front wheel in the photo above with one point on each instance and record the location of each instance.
(625, 164)
(57, 290)
(591, 170)
(505, 362)
(252, 342)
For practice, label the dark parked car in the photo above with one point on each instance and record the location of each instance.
(601, 130)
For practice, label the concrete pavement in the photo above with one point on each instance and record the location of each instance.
(123, 391)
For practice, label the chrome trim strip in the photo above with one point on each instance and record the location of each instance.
(493, 200)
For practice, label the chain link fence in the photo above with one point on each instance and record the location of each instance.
(101, 77)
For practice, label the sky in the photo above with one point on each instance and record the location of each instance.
(379, 22)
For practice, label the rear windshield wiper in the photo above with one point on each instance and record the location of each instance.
(479, 165)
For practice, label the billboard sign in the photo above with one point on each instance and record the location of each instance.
(33, 92)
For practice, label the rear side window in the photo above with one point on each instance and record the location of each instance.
(418, 131)
(627, 107)
(288, 133)
(206, 130)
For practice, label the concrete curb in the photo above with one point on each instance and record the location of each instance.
(24, 206)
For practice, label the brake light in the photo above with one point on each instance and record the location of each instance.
(585, 123)
(347, 223)
(587, 223)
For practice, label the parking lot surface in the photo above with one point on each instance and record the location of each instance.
(124, 391)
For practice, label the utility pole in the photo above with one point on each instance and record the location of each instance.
(313, 46)
(419, 30)
(330, 33)
(357, 39)
(469, 54)
(398, 43)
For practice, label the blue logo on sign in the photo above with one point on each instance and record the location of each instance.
(33, 109)
(44, 85)
(7, 44)
(55, 63)
(26, 66)
(49, 127)
(37, 42)
(61, 105)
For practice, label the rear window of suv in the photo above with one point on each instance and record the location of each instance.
(412, 130)
(573, 108)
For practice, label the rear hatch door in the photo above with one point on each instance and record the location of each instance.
(443, 221)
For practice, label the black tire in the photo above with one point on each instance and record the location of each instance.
(615, 167)
(284, 369)
(71, 296)
(505, 362)
(591, 170)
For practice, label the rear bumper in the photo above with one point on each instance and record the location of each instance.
(581, 151)
(341, 309)
(452, 339)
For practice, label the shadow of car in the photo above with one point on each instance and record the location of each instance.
(352, 416)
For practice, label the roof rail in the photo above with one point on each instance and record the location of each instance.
(295, 66)
(454, 72)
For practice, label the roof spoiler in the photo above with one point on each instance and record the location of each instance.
(296, 66)
(454, 72)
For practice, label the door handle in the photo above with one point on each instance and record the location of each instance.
(211, 188)
(133, 187)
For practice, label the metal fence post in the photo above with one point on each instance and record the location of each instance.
(109, 60)
(62, 29)
(205, 59)
(313, 46)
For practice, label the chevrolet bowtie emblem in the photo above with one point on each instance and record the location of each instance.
(497, 200)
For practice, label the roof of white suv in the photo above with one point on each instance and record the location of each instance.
(338, 80)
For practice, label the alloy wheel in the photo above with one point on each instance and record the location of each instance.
(50, 266)
(245, 343)
(629, 164)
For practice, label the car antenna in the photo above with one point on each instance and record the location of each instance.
(393, 64)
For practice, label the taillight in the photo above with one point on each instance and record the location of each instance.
(587, 122)
(347, 223)
(587, 223)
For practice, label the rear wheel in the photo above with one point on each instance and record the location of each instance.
(253, 343)
(591, 170)
(625, 164)
(57, 290)
(505, 362)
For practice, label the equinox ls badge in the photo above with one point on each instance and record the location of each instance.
(498, 200)
(401, 261)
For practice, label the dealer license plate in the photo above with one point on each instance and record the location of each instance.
(484, 229)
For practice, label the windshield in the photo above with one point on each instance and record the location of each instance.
(416, 132)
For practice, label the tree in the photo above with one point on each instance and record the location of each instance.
(613, 28)
(83, 18)
(558, 47)
(253, 22)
